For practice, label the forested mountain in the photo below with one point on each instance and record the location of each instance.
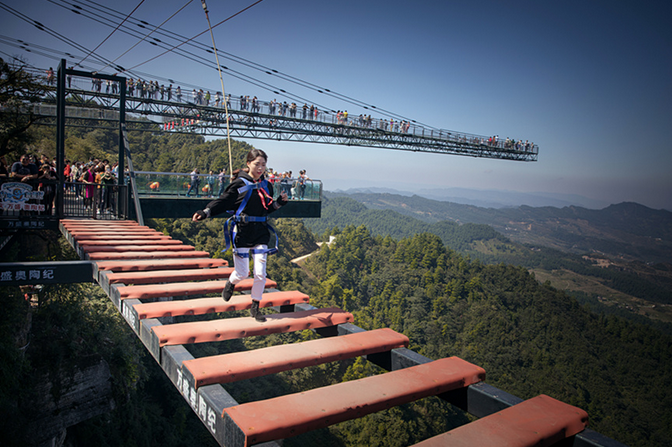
(390, 271)
(530, 338)
(634, 290)
(343, 211)
(627, 230)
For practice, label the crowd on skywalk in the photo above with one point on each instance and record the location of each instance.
(148, 89)
(510, 144)
(213, 185)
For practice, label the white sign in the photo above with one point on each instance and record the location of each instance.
(14, 195)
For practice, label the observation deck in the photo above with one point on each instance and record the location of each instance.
(165, 194)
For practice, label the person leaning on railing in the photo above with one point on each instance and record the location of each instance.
(24, 170)
(106, 181)
(47, 184)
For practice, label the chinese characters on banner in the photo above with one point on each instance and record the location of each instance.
(26, 275)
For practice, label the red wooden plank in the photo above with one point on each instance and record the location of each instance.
(162, 276)
(201, 306)
(234, 328)
(100, 225)
(160, 264)
(538, 422)
(108, 256)
(127, 248)
(182, 289)
(294, 414)
(85, 222)
(92, 225)
(117, 241)
(131, 237)
(274, 359)
(111, 231)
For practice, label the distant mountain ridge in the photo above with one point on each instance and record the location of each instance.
(627, 230)
(487, 198)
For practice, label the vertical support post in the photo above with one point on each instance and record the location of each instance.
(131, 176)
(121, 180)
(60, 136)
(122, 128)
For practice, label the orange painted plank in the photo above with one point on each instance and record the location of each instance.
(161, 264)
(538, 422)
(69, 223)
(126, 248)
(107, 256)
(161, 276)
(70, 220)
(182, 289)
(235, 328)
(294, 414)
(97, 225)
(111, 231)
(104, 226)
(201, 306)
(118, 237)
(116, 241)
(274, 359)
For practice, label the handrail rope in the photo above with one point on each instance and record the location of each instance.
(221, 80)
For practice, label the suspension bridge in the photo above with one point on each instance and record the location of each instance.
(168, 292)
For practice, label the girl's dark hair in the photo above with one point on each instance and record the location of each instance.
(254, 153)
(251, 156)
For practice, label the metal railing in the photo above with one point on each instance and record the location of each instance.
(30, 204)
(95, 201)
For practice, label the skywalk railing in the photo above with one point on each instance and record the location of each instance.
(166, 184)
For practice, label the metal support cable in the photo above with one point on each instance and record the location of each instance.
(197, 35)
(146, 36)
(221, 80)
(114, 31)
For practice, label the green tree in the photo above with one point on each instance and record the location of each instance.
(19, 92)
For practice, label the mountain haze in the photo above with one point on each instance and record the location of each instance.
(627, 231)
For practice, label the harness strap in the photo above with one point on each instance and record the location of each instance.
(230, 238)
(230, 227)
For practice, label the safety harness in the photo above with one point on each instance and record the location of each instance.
(231, 227)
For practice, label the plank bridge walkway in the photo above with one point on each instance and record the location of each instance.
(152, 278)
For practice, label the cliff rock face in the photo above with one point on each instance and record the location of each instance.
(75, 395)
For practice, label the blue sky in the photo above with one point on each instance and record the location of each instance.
(588, 81)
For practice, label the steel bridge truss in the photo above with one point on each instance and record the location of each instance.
(186, 117)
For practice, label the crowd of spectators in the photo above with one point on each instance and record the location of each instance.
(295, 187)
(90, 182)
(213, 185)
(509, 143)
